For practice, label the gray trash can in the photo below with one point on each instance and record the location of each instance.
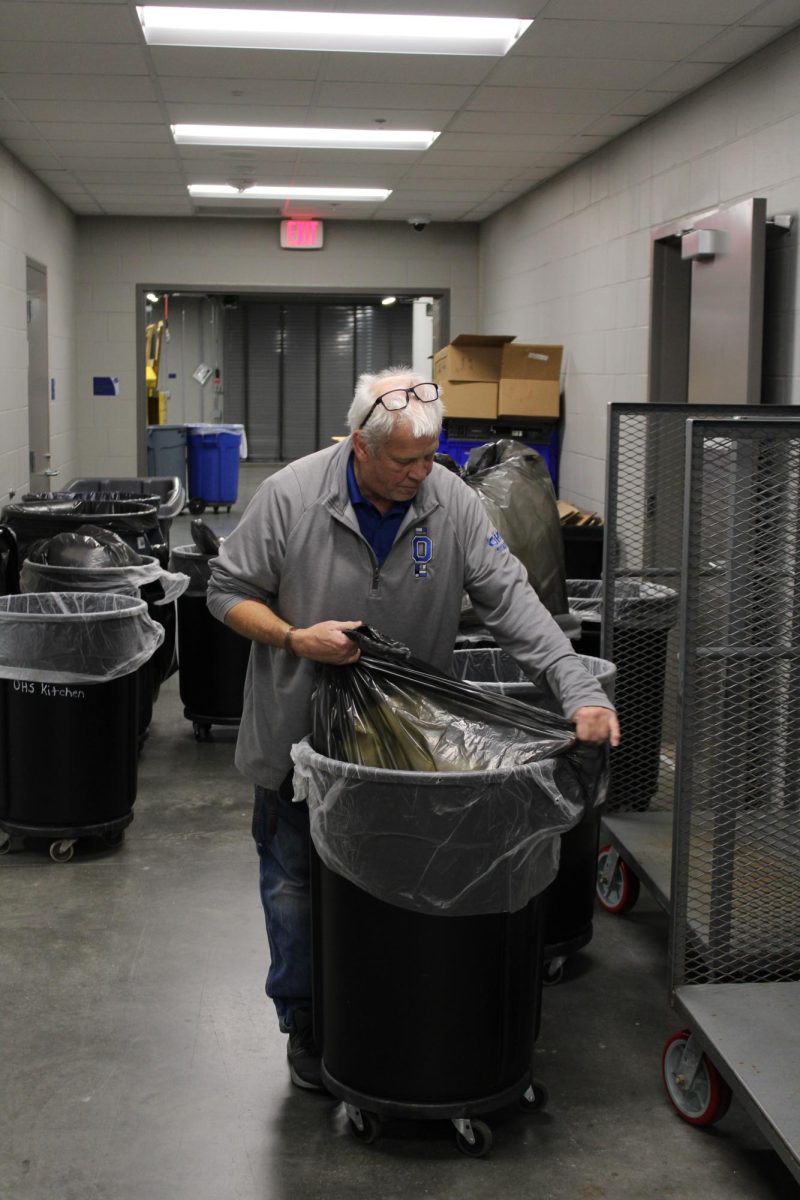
(644, 613)
(569, 901)
(166, 451)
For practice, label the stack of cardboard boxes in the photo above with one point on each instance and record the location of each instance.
(492, 377)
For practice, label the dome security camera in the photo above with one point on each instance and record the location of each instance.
(419, 222)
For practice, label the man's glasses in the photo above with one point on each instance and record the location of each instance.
(399, 398)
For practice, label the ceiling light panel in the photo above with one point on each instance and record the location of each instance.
(376, 33)
(303, 137)
(259, 192)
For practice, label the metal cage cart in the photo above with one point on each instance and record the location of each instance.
(645, 508)
(734, 945)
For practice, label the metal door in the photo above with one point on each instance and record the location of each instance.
(38, 380)
(707, 307)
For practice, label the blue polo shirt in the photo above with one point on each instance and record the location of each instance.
(379, 529)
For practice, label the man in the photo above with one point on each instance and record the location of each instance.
(369, 531)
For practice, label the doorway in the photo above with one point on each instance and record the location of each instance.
(40, 470)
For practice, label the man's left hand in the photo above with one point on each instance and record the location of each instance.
(596, 725)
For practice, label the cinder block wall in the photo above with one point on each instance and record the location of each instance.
(570, 262)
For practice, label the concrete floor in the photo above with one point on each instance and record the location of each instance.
(141, 1060)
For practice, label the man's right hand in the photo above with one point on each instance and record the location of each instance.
(327, 643)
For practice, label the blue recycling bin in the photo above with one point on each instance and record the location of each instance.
(213, 454)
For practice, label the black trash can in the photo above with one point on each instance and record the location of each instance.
(644, 613)
(167, 491)
(212, 659)
(427, 936)
(146, 580)
(68, 715)
(568, 903)
(9, 562)
(135, 521)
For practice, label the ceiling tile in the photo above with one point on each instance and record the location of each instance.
(185, 90)
(86, 112)
(373, 96)
(509, 122)
(97, 88)
(71, 22)
(612, 125)
(405, 68)
(235, 114)
(779, 12)
(614, 39)
(685, 77)
(645, 103)
(201, 63)
(116, 151)
(734, 44)
(522, 144)
(569, 72)
(396, 118)
(721, 12)
(75, 59)
(544, 100)
(55, 131)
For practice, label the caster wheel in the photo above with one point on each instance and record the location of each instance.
(202, 732)
(229, 508)
(534, 1098)
(196, 505)
(482, 1143)
(113, 839)
(553, 972)
(62, 852)
(370, 1129)
(216, 508)
(5, 843)
(694, 1087)
(618, 891)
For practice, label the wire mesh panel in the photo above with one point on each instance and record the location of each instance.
(641, 590)
(736, 855)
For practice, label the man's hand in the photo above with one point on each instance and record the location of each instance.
(596, 725)
(327, 643)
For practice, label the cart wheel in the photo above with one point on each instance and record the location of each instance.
(619, 892)
(553, 972)
(202, 732)
(701, 1100)
(535, 1097)
(370, 1129)
(196, 505)
(62, 852)
(216, 508)
(5, 843)
(229, 508)
(482, 1143)
(115, 838)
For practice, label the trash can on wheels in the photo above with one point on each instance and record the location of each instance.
(427, 941)
(644, 613)
(166, 451)
(568, 903)
(212, 659)
(214, 452)
(68, 719)
(145, 579)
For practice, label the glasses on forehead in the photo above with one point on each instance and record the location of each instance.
(399, 398)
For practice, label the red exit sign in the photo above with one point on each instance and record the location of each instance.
(301, 235)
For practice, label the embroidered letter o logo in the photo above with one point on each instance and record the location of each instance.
(422, 549)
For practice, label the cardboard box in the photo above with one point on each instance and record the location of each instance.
(530, 381)
(471, 358)
(465, 399)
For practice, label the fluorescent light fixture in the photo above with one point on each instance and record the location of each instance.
(374, 33)
(257, 192)
(304, 138)
(387, 300)
(152, 297)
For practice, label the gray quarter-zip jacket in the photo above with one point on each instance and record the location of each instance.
(298, 548)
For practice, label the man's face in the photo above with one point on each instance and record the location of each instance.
(394, 472)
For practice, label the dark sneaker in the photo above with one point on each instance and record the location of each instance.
(305, 1064)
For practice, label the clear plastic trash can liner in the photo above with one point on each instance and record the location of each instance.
(475, 828)
(74, 637)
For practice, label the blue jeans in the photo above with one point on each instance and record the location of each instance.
(280, 829)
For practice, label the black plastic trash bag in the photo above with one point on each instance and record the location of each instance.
(515, 486)
(470, 820)
(88, 546)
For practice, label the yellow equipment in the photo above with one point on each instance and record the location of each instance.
(156, 400)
